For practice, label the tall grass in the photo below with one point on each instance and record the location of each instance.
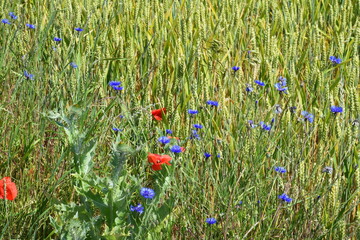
(178, 55)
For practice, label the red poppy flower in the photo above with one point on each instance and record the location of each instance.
(158, 160)
(157, 114)
(182, 149)
(7, 189)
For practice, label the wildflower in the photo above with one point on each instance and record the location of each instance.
(336, 109)
(281, 85)
(264, 126)
(259, 83)
(285, 198)
(158, 113)
(212, 103)
(308, 116)
(335, 60)
(251, 124)
(164, 140)
(12, 15)
(278, 109)
(194, 134)
(73, 65)
(192, 112)
(207, 155)
(249, 88)
(147, 193)
(79, 29)
(327, 170)
(235, 68)
(117, 129)
(218, 155)
(116, 85)
(198, 126)
(176, 149)
(211, 221)
(28, 75)
(31, 26)
(5, 21)
(158, 160)
(170, 137)
(139, 208)
(168, 131)
(8, 189)
(121, 116)
(56, 39)
(280, 169)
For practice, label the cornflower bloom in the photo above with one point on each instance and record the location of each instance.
(207, 155)
(31, 26)
(285, 198)
(73, 65)
(147, 193)
(192, 112)
(198, 126)
(211, 221)
(164, 140)
(259, 83)
(280, 169)
(176, 149)
(235, 68)
(336, 109)
(5, 21)
(308, 116)
(212, 103)
(79, 29)
(56, 39)
(139, 208)
(335, 60)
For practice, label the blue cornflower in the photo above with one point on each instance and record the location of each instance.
(308, 116)
(259, 83)
(285, 198)
(218, 155)
(335, 60)
(5, 21)
(117, 129)
(31, 26)
(79, 29)
(114, 84)
(251, 123)
(281, 85)
(249, 88)
(56, 39)
(280, 169)
(121, 116)
(28, 75)
(194, 134)
(73, 65)
(235, 68)
(211, 221)
(164, 140)
(207, 155)
(139, 208)
(168, 131)
(336, 109)
(212, 103)
(147, 193)
(264, 126)
(176, 149)
(12, 15)
(198, 126)
(193, 112)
